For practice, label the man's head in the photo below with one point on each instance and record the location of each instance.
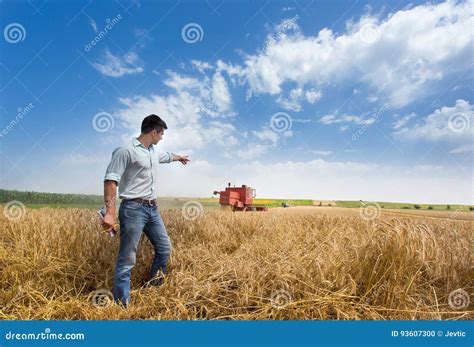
(153, 127)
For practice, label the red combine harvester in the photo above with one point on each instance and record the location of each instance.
(239, 198)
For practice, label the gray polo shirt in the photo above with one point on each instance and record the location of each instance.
(133, 168)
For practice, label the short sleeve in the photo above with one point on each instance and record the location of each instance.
(118, 164)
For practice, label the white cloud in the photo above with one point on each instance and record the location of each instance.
(192, 112)
(291, 103)
(452, 124)
(333, 118)
(400, 57)
(319, 152)
(202, 66)
(93, 25)
(262, 142)
(467, 148)
(295, 98)
(267, 134)
(313, 95)
(220, 93)
(115, 66)
(253, 151)
(401, 122)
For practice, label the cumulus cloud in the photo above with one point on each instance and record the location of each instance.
(194, 109)
(451, 124)
(116, 66)
(295, 98)
(400, 57)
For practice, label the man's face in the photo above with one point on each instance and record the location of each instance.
(156, 136)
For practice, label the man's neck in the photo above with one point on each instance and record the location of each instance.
(144, 141)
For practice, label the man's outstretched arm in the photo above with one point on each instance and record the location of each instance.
(182, 158)
(168, 157)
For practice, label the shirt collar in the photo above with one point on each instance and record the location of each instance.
(137, 143)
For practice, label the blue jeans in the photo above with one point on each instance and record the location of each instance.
(136, 218)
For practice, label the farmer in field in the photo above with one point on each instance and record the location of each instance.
(132, 170)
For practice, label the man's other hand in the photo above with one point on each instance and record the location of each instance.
(109, 221)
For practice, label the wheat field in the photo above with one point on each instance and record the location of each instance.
(301, 263)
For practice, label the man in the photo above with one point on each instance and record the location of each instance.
(132, 170)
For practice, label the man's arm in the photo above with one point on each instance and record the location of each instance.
(117, 166)
(182, 158)
(110, 195)
(168, 157)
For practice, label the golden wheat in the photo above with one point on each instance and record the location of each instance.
(281, 264)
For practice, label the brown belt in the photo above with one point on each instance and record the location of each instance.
(143, 201)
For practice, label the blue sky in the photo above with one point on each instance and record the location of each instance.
(317, 99)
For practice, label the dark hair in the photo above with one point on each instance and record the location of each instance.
(153, 122)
